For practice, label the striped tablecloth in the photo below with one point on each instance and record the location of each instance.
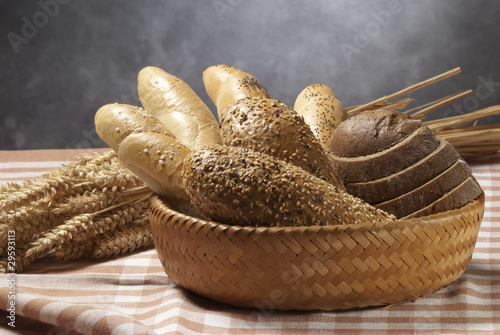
(132, 294)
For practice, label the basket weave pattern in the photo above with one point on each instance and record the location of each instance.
(307, 268)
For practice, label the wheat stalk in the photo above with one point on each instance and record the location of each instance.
(67, 208)
(470, 140)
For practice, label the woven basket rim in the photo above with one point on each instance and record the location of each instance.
(156, 200)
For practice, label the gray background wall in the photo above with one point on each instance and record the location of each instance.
(60, 60)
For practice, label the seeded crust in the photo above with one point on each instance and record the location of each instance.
(238, 186)
(321, 110)
(225, 85)
(373, 132)
(271, 127)
(114, 122)
(158, 160)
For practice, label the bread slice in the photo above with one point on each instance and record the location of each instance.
(384, 163)
(406, 180)
(460, 196)
(426, 194)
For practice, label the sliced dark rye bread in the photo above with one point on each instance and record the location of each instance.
(460, 196)
(372, 131)
(406, 180)
(403, 154)
(426, 194)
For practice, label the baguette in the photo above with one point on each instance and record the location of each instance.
(225, 85)
(114, 122)
(321, 110)
(178, 107)
(157, 159)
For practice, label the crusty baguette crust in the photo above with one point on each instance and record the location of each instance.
(178, 107)
(269, 126)
(226, 84)
(238, 186)
(114, 122)
(158, 160)
(321, 110)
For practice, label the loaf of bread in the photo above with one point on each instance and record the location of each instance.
(321, 110)
(114, 122)
(157, 159)
(238, 186)
(390, 161)
(226, 84)
(177, 106)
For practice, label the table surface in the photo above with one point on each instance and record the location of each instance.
(132, 295)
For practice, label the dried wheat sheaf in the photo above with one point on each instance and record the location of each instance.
(92, 207)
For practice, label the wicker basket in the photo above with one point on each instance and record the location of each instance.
(309, 268)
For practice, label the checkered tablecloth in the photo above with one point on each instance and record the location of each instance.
(132, 295)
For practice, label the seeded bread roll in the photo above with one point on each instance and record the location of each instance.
(321, 110)
(158, 160)
(269, 126)
(238, 186)
(225, 85)
(399, 166)
(178, 107)
(114, 122)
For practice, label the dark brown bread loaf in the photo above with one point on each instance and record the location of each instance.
(399, 166)
(388, 161)
(374, 131)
